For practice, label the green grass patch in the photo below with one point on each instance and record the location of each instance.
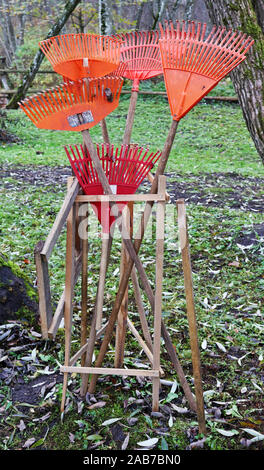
(212, 137)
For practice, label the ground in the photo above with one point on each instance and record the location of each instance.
(224, 198)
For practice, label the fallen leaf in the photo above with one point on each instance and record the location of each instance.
(254, 433)
(21, 426)
(71, 437)
(148, 443)
(125, 443)
(236, 264)
(98, 404)
(225, 433)
(110, 421)
(94, 437)
(29, 442)
(179, 409)
(221, 347)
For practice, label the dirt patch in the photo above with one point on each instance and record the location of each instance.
(33, 392)
(218, 190)
(208, 189)
(247, 239)
(39, 175)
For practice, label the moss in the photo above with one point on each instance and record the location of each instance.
(17, 271)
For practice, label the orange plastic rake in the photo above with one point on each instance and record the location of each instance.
(74, 106)
(124, 167)
(193, 64)
(82, 55)
(140, 52)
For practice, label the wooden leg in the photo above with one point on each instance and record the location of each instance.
(84, 244)
(45, 305)
(93, 328)
(101, 283)
(187, 271)
(140, 307)
(122, 315)
(158, 293)
(69, 281)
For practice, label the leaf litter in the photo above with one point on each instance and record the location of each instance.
(21, 353)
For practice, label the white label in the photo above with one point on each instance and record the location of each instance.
(113, 188)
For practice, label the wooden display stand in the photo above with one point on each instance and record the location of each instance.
(76, 264)
(88, 347)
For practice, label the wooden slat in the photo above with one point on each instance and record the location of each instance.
(141, 310)
(57, 317)
(84, 245)
(60, 219)
(187, 271)
(142, 343)
(127, 216)
(120, 197)
(101, 284)
(110, 371)
(150, 177)
(43, 284)
(69, 282)
(160, 220)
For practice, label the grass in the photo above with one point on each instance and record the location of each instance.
(212, 138)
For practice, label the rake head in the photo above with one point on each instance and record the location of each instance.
(140, 52)
(125, 169)
(193, 64)
(74, 106)
(82, 55)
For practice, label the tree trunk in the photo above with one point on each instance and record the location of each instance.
(105, 17)
(248, 77)
(30, 75)
(159, 8)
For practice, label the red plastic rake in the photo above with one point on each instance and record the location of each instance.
(193, 64)
(82, 55)
(74, 106)
(125, 169)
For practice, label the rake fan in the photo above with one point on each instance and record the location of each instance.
(125, 169)
(82, 55)
(74, 106)
(140, 52)
(193, 64)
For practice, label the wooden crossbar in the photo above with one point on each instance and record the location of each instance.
(121, 197)
(110, 371)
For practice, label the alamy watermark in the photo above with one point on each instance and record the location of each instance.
(90, 227)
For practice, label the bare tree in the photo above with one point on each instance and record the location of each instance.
(70, 5)
(248, 78)
(105, 17)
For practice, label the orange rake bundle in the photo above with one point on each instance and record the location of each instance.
(124, 167)
(82, 55)
(193, 64)
(74, 106)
